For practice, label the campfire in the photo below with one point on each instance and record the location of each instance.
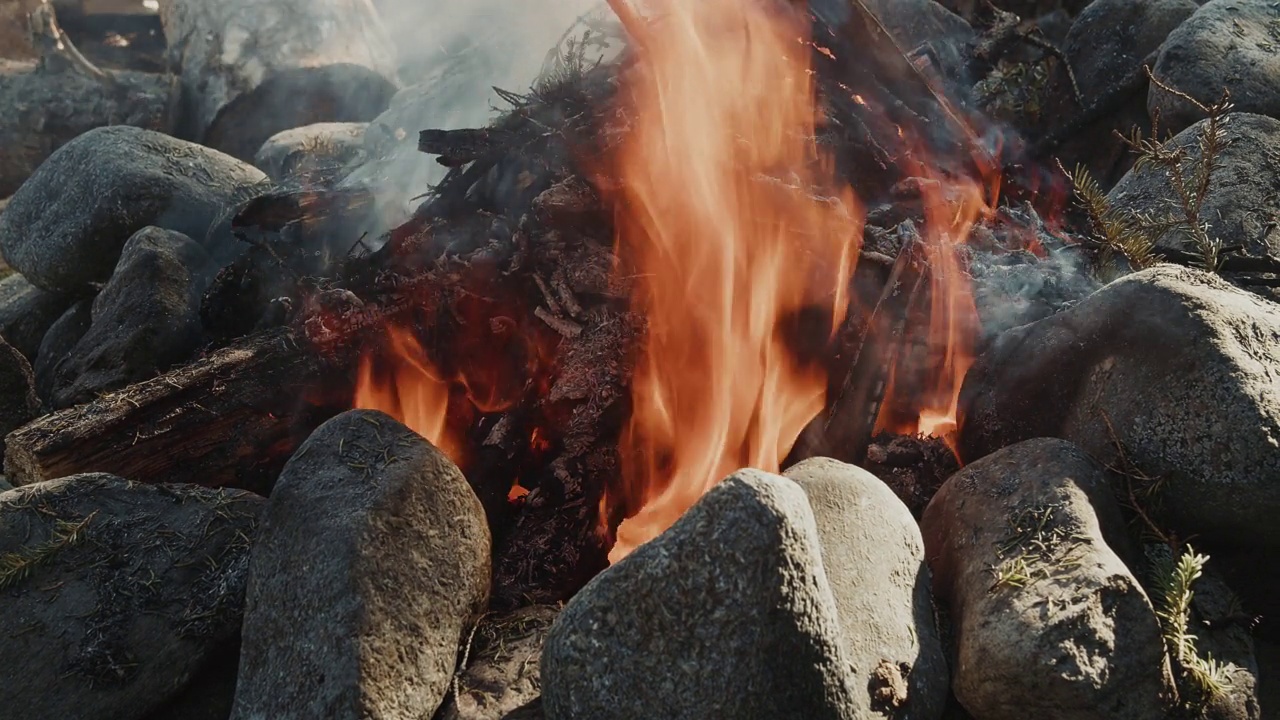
(753, 344)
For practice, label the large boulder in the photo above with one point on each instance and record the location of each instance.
(726, 614)
(210, 693)
(1169, 373)
(1107, 41)
(873, 557)
(66, 226)
(1047, 618)
(372, 561)
(1231, 45)
(144, 321)
(27, 313)
(1244, 193)
(115, 593)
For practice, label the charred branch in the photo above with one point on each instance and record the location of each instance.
(232, 418)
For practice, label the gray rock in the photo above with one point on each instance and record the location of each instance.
(1048, 620)
(126, 590)
(4, 484)
(727, 614)
(1173, 365)
(1244, 193)
(18, 402)
(1111, 38)
(502, 670)
(324, 149)
(146, 319)
(1108, 40)
(373, 558)
(1226, 45)
(27, 313)
(873, 557)
(66, 226)
(57, 345)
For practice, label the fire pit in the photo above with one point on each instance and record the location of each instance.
(758, 359)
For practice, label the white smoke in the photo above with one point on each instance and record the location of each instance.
(452, 54)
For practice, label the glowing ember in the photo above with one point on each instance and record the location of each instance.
(716, 207)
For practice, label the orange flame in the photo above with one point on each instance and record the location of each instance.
(953, 316)
(725, 208)
(415, 394)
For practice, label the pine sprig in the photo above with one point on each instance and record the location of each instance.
(1120, 231)
(18, 565)
(1172, 592)
(1136, 235)
(1190, 178)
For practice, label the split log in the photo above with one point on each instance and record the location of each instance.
(41, 109)
(251, 68)
(230, 419)
(866, 348)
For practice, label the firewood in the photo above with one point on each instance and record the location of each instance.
(856, 55)
(868, 349)
(251, 68)
(230, 419)
(42, 108)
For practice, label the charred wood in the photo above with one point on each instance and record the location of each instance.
(868, 346)
(855, 55)
(459, 147)
(230, 419)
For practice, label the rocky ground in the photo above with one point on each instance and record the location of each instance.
(1102, 547)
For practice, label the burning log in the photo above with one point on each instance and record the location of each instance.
(866, 352)
(870, 84)
(231, 418)
(251, 68)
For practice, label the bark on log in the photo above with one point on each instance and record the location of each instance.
(41, 110)
(230, 419)
(251, 68)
